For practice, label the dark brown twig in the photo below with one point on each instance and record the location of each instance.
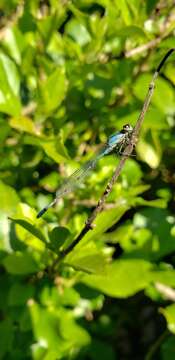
(89, 223)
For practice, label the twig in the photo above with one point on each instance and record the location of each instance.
(89, 223)
(166, 291)
(29, 109)
(92, 203)
(164, 32)
(151, 44)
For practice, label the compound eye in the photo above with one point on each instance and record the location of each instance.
(126, 127)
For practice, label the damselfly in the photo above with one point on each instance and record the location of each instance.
(115, 143)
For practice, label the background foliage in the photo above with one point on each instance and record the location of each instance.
(71, 73)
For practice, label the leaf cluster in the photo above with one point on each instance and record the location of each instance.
(72, 73)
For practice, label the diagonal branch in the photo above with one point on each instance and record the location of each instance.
(89, 223)
(164, 33)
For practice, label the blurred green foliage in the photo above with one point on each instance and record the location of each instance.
(71, 73)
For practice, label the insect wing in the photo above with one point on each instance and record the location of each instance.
(76, 178)
(80, 174)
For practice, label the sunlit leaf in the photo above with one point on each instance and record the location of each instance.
(94, 263)
(105, 220)
(9, 90)
(30, 228)
(78, 32)
(14, 43)
(57, 329)
(23, 123)
(169, 313)
(148, 154)
(122, 278)
(9, 199)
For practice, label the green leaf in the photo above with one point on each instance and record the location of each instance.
(58, 237)
(69, 297)
(20, 263)
(14, 43)
(19, 294)
(124, 11)
(7, 336)
(47, 25)
(131, 167)
(57, 329)
(167, 349)
(101, 350)
(75, 334)
(9, 87)
(164, 276)
(150, 5)
(169, 313)
(23, 123)
(122, 278)
(9, 199)
(5, 131)
(52, 91)
(104, 221)
(164, 103)
(4, 232)
(154, 118)
(139, 189)
(156, 221)
(131, 31)
(159, 203)
(54, 149)
(94, 263)
(30, 228)
(78, 32)
(148, 154)
(26, 233)
(46, 326)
